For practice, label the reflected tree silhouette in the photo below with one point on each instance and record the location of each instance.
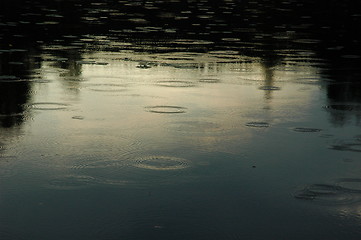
(13, 97)
(15, 89)
(263, 29)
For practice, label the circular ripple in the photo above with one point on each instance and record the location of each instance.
(258, 124)
(352, 147)
(352, 184)
(306, 130)
(327, 194)
(48, 106)
(166, 109)
(178, 84)
(162, 163)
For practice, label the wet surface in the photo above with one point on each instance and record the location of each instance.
(180, 119)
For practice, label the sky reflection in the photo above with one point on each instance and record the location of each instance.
(179, 120)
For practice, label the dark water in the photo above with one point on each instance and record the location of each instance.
(180, 119)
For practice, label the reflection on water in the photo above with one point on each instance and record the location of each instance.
(179, 120)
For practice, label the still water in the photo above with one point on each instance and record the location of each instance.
(180, 120)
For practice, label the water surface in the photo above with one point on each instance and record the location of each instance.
(180, 120)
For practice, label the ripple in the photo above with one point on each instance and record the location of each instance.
(91, 62)
(8, 233)
(269, 88)
(196, 126)
(108, 87)
(162, 163)
(73, 182)
(16, 63)
(70, 182)
(192, 42)
(8, 78)
(258, 124)
(307, 41)
(351, 56)
(13, 79)
(352, 184)
(143, 66)
(78, 117)
(13, 114)
(126, 149)
(344, 107)
(306, 130)
(48, 106)
(351, 147)
(98, 164)
(329, 194)
(209, 80)
(166, 109)
(176, 84)
(231, 39)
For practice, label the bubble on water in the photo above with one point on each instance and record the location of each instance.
(258, 124)
(306, 130)
(162, 163)
(48, 106)
(165, 109)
